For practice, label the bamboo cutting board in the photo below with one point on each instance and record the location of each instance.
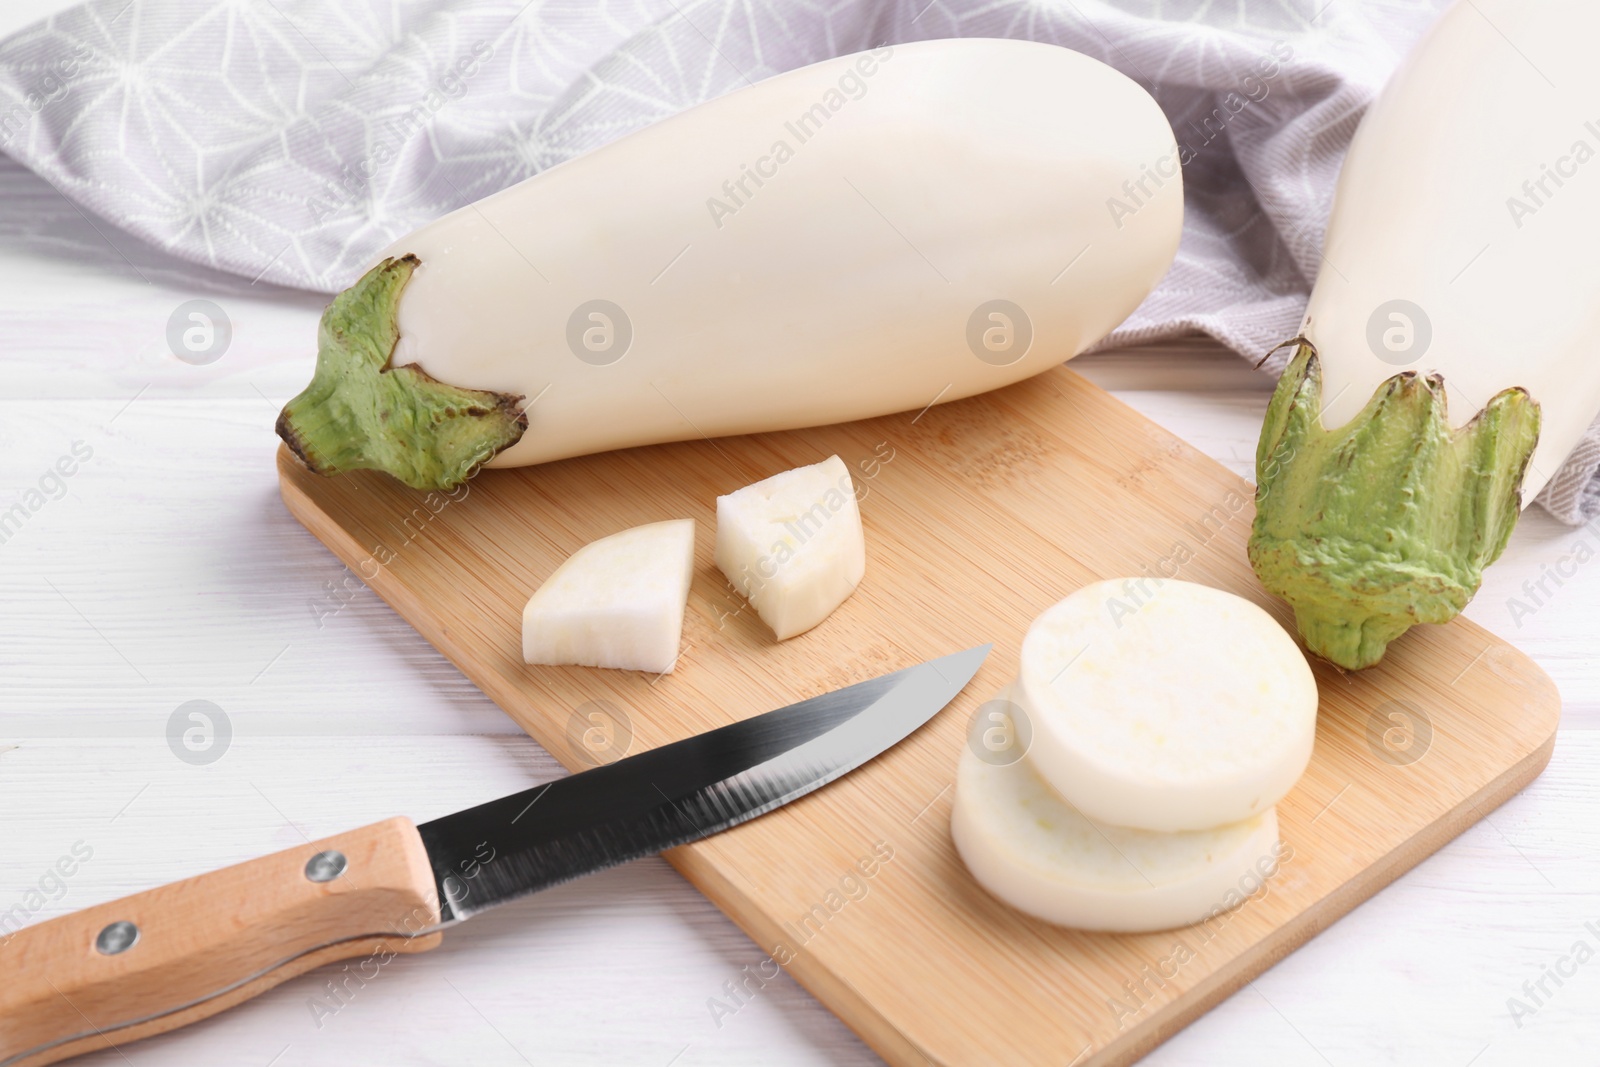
(978, 514)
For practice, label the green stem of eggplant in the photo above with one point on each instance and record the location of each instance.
(1389, 520)
(361, 413)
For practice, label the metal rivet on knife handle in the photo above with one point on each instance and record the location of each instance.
(326, 866)
(117, 937)
(79, 982)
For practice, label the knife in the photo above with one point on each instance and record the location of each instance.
(171, 956)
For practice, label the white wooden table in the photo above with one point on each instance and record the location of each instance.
(168, 571)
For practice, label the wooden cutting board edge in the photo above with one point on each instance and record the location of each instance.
(854, 1008)
(898, 1048)
(1335, 906)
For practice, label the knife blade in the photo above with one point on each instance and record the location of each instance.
(161, 959)
(679, 792)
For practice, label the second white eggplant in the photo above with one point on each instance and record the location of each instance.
(1445, 370)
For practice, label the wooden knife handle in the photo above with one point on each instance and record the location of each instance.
(205, 944)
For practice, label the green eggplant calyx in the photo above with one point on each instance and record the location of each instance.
(1389, 520)
(359, 412)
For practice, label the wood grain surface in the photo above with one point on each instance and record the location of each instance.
(979, 514)
(212, 941)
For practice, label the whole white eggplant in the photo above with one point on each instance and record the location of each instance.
(1446, 365)
(866, 235)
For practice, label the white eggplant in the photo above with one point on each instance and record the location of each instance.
(866, 235)
(1040, 854)
(617, 602)
(1165, 705)
(792, 544)
(1446, 364)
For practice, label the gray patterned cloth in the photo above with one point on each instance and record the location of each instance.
(290, 140)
